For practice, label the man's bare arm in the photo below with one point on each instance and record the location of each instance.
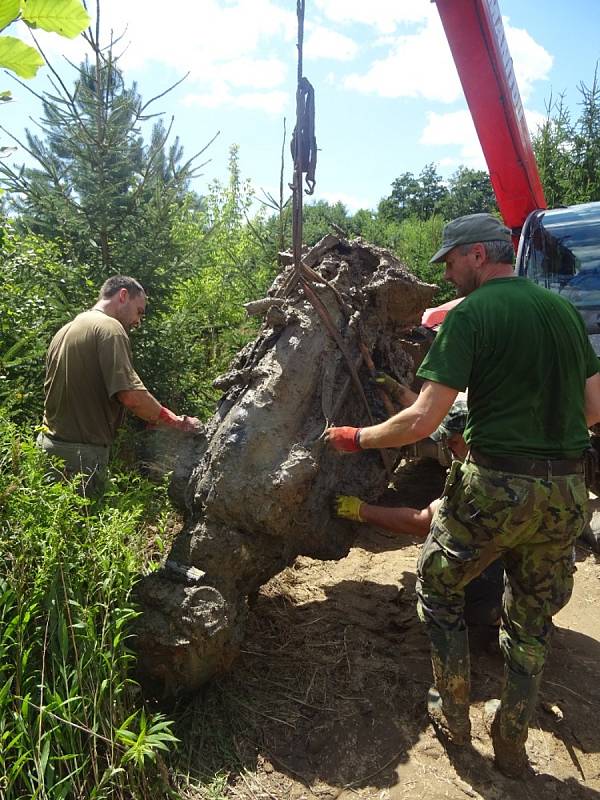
(592, 399)
(413, 423)
(405, 521)
(141, 403)
(145, 406)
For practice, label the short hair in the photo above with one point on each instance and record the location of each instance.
(497, 252)
(117, 282)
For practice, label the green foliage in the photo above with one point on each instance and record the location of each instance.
(71, 720)
(103, 195)
(110, 203)
(418, 242)
(568, 152)
(19, 57)
(318, 219)
(65, 17)
(38, 294)
(9, 11)
(414, 197)
(145, 737)
(205, 323)
(469, 192)
(553, 151)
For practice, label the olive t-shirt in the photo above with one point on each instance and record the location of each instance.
(525, 356)
(88, 362)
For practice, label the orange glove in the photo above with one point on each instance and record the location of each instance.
(345, 439)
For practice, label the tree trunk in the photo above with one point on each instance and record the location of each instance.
(258, 488)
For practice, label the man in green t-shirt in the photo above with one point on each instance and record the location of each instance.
(90, 382)
(520, 494)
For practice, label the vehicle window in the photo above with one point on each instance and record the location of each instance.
(563, 254)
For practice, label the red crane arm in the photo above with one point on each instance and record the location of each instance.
(475, 33)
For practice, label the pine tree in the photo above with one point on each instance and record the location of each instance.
(98, 190)
(552, 146)
(567, 152)
(587, 140)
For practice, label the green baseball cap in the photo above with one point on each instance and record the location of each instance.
(470, 229)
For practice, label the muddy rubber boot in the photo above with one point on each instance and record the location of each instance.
(507, 721)
(454, 725)
(448, 700)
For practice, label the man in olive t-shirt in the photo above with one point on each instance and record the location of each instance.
(91, 381)
(534, 388)
(89, 362)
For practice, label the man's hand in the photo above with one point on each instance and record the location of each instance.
(191, 425)
(348, 506)
(397, 391)
(344, 439)
(141, 403)
(184, 423)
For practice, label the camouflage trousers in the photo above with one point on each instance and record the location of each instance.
(529, 522)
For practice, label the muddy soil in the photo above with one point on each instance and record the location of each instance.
(327, 697)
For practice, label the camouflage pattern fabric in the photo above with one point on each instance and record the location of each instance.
(531, 523)
(455, 420)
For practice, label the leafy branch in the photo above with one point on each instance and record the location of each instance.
(68, 18)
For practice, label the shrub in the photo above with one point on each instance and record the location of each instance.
(72, 722)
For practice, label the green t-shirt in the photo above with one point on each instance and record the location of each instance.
(524, 355)
(88, 362)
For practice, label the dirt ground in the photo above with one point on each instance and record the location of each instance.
(327, 699)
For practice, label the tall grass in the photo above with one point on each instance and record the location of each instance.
(72, 722)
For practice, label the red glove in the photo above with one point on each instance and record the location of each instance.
(346, 439)
(184, 423)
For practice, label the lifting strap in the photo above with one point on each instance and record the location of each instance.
(304, 142)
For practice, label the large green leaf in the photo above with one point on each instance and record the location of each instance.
(67, 17)
(19, 57)
(9, 10)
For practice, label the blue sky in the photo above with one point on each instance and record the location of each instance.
(388, 98)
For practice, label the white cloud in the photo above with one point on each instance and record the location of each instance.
(260, 73)
(225, 45)
(216, 97)
(200, 35)
(418, 65)
(273, 102)
(324, 43)
(383, 15)
(233, 48)
(531, 61)
(456, 129)
(351, 201)
(534, 120)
